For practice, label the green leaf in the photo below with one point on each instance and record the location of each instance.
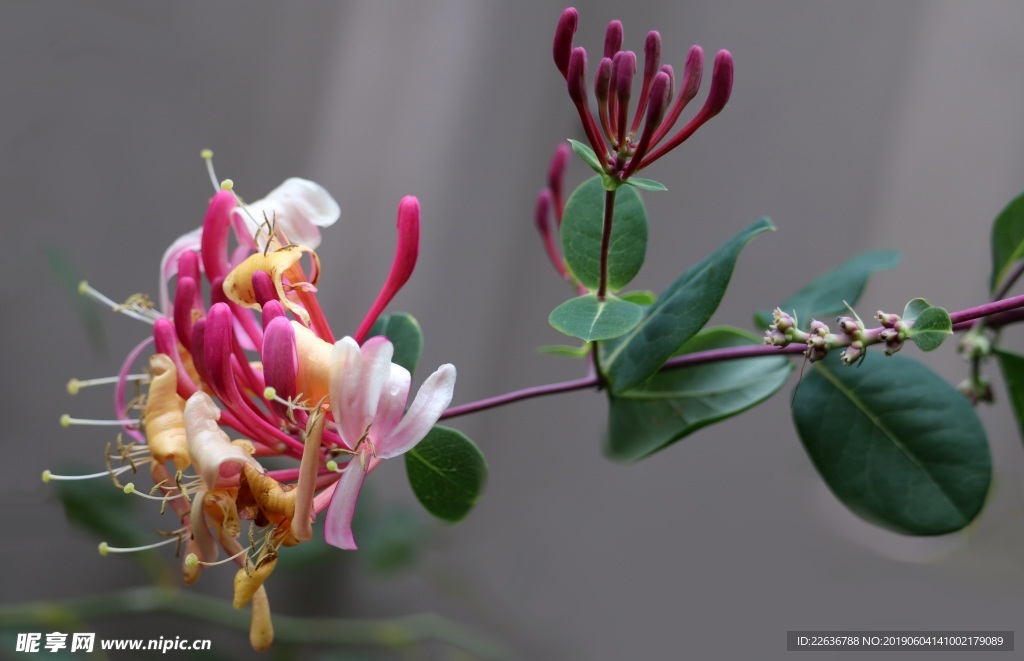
(675, 403)
(447, 473)
(589, 319)
(645, 184)
(582, 230)
(895, 443)
(564, 350)
(404, 332)
(931, 326)
(640, 297)
(823, 297)
(587, 154)
(1012, 366)
(679, 313)
(1007, 240)
(913, 309)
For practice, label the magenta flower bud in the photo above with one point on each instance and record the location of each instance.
(613, 39)
(542, 216)
(692, 73)
(577, 84)
(406, 252)
(556, 177)
(721, 85)
(184, 299)
(602, 83)
(217, 349)
(263, 287)
(280, 361)
(165, 341)
(216, 226)
(668, 71)
(576, 78)
(272, 310)
(623, 69)
(567, 23)
(656, 107)
(652, 58)
(199, 348)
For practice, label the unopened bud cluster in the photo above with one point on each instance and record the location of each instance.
(853, 337)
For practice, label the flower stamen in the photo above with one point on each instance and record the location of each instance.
(138, 306)
(74, 385)
(105, 548)
(66, 421)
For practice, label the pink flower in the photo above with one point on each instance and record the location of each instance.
(368, 395)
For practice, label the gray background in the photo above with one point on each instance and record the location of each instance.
(853, 125)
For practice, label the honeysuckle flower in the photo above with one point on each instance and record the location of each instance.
(243, 365)
(368, 396)
(298, 208)
(612, 137)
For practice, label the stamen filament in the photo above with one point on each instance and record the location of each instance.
(192, 559)
(47, 475)
(106, 548)
(207, 156)
(130, 489)
(75, 384)
(66, 421)
(86, 290)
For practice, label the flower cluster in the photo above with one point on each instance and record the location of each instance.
(853, 335)
(257, 358)
(612, 136)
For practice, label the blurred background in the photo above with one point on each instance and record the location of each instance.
(852, 125)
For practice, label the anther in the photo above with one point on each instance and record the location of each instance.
(192, 560)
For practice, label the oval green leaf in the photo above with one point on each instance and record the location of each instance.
(824, 297)
(589, 319)
(673, 404)
(895, 443)
(1007, 240)
(932, 326)
(646, 184)
(913, 309)
(404, 332)
(582, 229)
(447, 472)
(681, 310)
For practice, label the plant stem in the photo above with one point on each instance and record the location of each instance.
(606, 242)
(391, 633)
(962, 320)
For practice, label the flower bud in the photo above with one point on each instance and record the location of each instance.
(818, 328)
(613, 39)
(852, 353)
(848, 325)
(888, 320)
(721, 84)
(562, 49)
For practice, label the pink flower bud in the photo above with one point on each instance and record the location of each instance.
(613, 39)
(623, 70)
(216, 226)
(652, 59)
(184, 299)
(406, 252)
(263, 287)
(576, 78)
(721, 84)
(556, 176)
(563, 39)
(692, 74)
(602, 84)
(655, 112)
(280, 361)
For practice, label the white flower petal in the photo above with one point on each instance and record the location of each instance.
(301, 208)
(433, 398)
(346, 367)
(393, 398)
(338, 520)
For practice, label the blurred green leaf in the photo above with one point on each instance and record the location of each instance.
(824, 296)
(587, 155)
(646, 184)
(404, 332)
(1012, 366)
(1007, 241)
